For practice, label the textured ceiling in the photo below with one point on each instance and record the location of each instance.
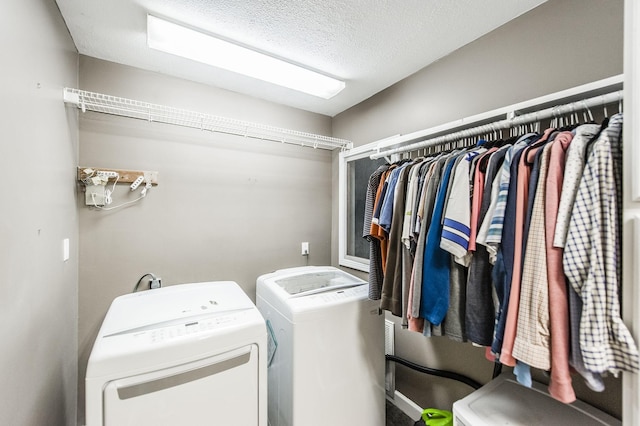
(371, 44)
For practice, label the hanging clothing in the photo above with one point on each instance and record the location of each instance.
(391, 299)
(574, 166)
(375, 256)
(411, 204)
(477, 190)
(386, 210)
(456, 228)
(435, 278)
(504, 246)
(483, 231)
(560, 386)
(378, 231)
(416, 321)
(592, 254)
(532, 342)
(480, 310)
(453, 324)
(519, 215)
(511, 247)
(494, 233)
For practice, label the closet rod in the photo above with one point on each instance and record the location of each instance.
(532, 117)
(577, 93)
(123, 107)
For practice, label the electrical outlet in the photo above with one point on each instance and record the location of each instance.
(148, 177)
(305, 249)
(107, 173)
(155, 283)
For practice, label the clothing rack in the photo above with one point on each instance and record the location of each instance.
(123, 107)
(609, 91)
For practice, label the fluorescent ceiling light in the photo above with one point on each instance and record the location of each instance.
(178, 40)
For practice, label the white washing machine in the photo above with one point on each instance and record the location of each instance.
(190, 354)
(326, 348)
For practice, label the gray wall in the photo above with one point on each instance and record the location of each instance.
(38, 290)
(226, 207)
(560, 44)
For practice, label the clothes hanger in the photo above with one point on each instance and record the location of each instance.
(603, 125)
(559, 120)
(494, 137)
(586, 113)
(619, 102)
(572, 121)
(483, 163)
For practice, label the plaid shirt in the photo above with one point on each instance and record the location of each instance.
(592, 257)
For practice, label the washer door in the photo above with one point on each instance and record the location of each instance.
(218, 390)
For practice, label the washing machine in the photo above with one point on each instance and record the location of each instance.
(326, 348)
(503, 401)
(189, 354)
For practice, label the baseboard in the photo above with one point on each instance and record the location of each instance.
(407, 406)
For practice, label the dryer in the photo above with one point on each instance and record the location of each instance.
(189, 354)
(326, 348)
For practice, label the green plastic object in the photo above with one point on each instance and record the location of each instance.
(436, 417)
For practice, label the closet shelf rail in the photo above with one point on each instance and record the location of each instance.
(107, 104)
(512, 121)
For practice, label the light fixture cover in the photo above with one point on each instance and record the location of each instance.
(181, 41)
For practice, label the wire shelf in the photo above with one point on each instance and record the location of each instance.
(556, 105)
(107, 104)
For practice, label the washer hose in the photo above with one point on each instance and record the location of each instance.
(440, 373)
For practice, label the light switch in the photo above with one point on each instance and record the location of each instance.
(65, 249)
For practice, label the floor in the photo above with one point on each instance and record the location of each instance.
(395, 417)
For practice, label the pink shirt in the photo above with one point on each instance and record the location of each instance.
(560, 386)
(478, 190)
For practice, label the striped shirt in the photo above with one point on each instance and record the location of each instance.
(375, 256)
(457, 214)
(494, 234)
